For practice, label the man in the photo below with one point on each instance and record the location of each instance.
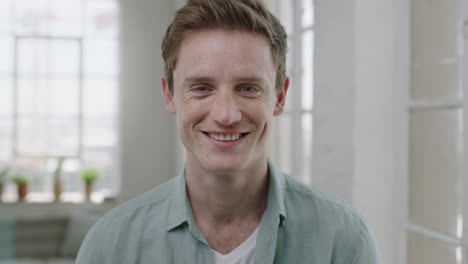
(225, 81)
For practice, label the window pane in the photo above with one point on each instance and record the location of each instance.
(5, 17)
(33, 97)
(306, 147)
(38, 57)
(99, 133)
(100, 98)
(101, 160)
(426, 250)
(307, 13)
(39, 97)
(6, 126)
(6, 53)
(285, 148)
(101, 19)
(31, 16)
(48, 137)
(31, 137)
(66, 17)
(435, 168)
(435, 48)
(100, 58)
(28, 166)
(6, 98)
(64, 98)
(33, 55)
(65, 57)
(63, 137)
(307, 70)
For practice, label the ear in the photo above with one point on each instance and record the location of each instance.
(168, 96)
(281, 98)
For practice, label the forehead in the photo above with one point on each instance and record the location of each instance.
(221, 53)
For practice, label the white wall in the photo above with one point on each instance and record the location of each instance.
(375, 173)
(334, 89)
(361, 74)
(148, 155)
(382, 75)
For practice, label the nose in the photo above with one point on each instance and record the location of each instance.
(225, 110)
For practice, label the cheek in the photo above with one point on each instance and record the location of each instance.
(258, 110)
(259, 117)
(191, 113)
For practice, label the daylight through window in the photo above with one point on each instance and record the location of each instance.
(59, 95)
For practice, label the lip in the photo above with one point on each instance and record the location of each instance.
(225, 144)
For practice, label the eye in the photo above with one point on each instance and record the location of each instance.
(249, 90)
(200, 90)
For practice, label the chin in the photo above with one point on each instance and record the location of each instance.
(223, 165)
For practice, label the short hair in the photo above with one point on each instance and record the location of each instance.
(248, 15)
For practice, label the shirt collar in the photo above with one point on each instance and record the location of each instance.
(276, 191)
(179, 204)
(180, 210)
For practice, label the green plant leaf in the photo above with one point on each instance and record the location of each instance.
(90, 175)
(19, 179)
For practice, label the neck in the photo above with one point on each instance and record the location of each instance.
(227, 198)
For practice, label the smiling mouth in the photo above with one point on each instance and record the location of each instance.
(225, 137)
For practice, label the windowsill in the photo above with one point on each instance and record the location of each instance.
(35, 208)
(66, 198)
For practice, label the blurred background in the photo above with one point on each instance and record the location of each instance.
(374, 115)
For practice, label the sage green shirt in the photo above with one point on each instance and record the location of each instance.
(300, 225)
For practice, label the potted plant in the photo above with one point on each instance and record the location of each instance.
(22, 186)
(3, 174)
(89, 176)
(57, 180)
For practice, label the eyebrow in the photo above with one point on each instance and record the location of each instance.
(197, 79)
(251, 79)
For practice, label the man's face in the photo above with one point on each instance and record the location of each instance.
(224, 98)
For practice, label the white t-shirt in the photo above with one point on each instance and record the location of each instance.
(243, 254)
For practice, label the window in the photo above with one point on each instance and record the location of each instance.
(292, 147)
(436, 134)
(59, 94)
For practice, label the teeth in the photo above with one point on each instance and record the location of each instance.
(222, 137)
